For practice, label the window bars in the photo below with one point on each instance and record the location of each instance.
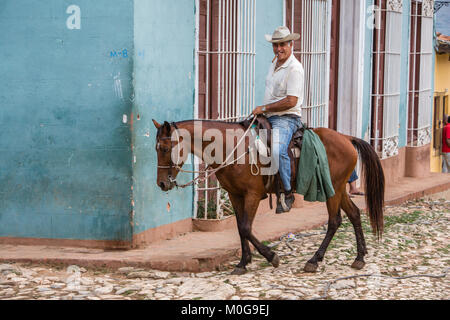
(386, 77)
(226, 79)
(420, 66)
(312, 20)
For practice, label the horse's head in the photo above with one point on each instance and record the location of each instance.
(167, 168)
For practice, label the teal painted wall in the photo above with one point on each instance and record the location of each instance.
(368, 48)
(77, 157)
(404, 76)
(433, 66)
(64, 151)
(164, 36)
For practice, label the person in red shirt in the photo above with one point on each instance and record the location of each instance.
(446, 147)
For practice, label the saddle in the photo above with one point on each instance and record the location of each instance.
(273, 183)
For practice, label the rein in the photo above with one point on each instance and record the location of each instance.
(208, 173)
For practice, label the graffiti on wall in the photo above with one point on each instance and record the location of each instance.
(74, 20)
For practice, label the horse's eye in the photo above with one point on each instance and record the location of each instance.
(164, 149)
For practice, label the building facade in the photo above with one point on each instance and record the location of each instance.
(441, 107)
(82, 82)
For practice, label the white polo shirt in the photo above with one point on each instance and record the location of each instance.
(287, 80)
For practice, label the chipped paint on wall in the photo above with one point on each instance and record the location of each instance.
(118, 86)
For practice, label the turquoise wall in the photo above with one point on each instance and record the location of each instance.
(64, 151)
(404, 76)
(77, 157)
(433, 66)
(367, 86)
(164, 36)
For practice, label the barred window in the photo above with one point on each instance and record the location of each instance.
(225, 80)
(226, 59)
(420, 64)
(312, 20)
(386, 77)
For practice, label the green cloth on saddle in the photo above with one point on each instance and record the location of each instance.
(313, 174)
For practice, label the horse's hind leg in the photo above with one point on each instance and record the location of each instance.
(334, 221)
(246, 256)
(354, 216)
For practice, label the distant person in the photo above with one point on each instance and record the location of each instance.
(446, 147)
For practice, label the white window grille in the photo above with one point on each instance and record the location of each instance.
(312, 20)
(226, 43)
(386, 77)
(420, 62)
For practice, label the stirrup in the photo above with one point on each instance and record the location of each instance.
(284, 204)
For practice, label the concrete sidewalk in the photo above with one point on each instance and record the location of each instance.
(206, 251)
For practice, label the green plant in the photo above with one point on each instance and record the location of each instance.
(226, 206)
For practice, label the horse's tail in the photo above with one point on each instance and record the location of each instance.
(374, 184)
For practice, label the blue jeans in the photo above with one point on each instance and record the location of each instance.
(353, 177)
(286, 127)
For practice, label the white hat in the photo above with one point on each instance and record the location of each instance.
(282, 34)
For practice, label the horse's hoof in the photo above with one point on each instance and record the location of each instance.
(239, 271)
(310, 267)
(358, 265)
(275, 261)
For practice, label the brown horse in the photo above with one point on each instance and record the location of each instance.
(246, 190)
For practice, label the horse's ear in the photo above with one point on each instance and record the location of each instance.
(157, 125)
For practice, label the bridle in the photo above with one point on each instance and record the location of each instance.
(171, 164)
(206, 172)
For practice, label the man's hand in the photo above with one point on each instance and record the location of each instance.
(259, 110)
(279, 106)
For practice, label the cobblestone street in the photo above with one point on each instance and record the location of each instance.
(411, 262)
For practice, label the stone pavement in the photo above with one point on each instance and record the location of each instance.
(411, 262)
(207, 251)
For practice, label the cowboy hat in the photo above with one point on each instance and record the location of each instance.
(282, 34)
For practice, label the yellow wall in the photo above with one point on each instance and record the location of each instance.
(442, 72)
(442, 82)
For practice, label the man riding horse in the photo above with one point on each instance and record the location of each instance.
(283, 99)
(282, 102)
